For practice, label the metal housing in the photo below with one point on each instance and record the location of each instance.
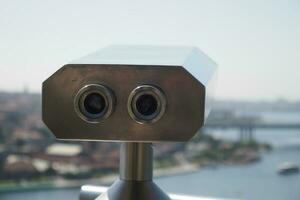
(183, 74)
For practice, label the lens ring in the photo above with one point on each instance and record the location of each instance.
(146, 104)
(94, 103)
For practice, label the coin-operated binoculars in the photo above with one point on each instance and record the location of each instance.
(135, 95)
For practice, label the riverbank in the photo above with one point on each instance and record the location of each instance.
(59, 183)
(256, 181)
(203, 152)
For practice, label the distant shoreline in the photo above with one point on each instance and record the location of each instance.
(61, 183)
(105, 180)
(102, 181)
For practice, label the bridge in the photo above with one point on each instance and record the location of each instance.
(260, 125)
(247, 127)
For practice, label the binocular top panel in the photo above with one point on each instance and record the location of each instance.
(130, 93)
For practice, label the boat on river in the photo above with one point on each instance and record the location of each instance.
(288, 168)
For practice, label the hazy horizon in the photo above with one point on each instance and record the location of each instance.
(255, 43)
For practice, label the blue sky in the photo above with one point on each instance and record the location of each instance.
(256, 43)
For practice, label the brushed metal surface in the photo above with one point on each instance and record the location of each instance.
(184, 114)
(136, 173)
(134, 190)
(91, 192)
(136, 161)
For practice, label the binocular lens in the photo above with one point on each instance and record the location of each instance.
(94, 103)
(146, 105)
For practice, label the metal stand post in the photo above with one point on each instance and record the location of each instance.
(136, 173)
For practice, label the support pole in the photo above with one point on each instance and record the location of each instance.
(136, 161)
(136, 173)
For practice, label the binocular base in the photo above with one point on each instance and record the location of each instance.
(133, 190)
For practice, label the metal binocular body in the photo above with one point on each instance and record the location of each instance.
(130, 93)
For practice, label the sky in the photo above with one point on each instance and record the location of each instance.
(256, 43)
